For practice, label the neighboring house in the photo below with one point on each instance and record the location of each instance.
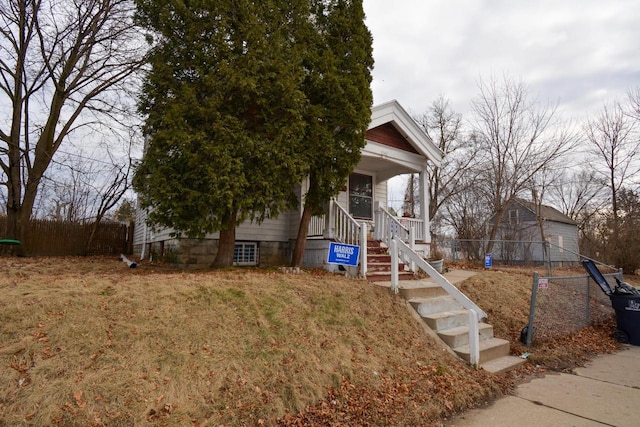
(519, 240)
(395, 145)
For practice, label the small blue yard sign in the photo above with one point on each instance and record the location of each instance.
(488, 260)
(340, 253)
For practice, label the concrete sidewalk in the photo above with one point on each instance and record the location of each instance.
(604, 393)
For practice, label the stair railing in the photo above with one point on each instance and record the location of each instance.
(401, 251)
(342, 227)
(387, 226)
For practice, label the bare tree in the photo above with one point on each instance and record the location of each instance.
(633, 96)
(444, 127)
(580, 196)
(614, 144)
(466, 212)
(410, 196)
(62, 63)
(517, 137)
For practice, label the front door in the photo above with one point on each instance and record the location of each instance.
(361, 196)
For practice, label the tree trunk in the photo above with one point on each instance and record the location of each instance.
(92, 235)
(494, 230)
(18, 228)
(301, 239)
(227, 242)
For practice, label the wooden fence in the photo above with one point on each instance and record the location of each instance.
(59, 238)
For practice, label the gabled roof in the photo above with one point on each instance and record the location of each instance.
(393, 113)
(546, 212)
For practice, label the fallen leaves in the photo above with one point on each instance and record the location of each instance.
(77, 396)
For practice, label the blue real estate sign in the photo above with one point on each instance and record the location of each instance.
(340, 253)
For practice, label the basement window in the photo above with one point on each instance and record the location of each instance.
(245, 253)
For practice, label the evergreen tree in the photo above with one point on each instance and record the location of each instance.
(338, 63)
(224, 110)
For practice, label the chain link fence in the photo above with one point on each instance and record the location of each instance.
(561, 306)
(506, 252)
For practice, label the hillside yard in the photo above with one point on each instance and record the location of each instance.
(88, 341)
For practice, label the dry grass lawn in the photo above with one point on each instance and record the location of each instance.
(505, 294)
(90, 342)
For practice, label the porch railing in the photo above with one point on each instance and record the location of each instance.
(387, 226)
(316, 226)
(342, 226)
(418, 227)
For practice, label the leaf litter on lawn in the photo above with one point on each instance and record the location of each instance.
(88, 341)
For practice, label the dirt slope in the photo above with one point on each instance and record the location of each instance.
(88, 341)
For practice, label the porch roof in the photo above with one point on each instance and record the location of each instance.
(391, 160)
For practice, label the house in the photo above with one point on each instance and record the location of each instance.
(519, 239)
(395, 145)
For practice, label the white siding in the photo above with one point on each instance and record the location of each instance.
(138, 230)
(151, 236)
(380, 194)
(270, 230)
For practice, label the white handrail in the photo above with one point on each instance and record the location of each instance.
(363, 249)
(400, 250)
(409, 255)
(388, 226)
(342, 226)
(474, 338)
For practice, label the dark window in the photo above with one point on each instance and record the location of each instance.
(361, 196)
(245, 254)
(513, 216)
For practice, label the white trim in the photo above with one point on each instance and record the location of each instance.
(373, 193)
(392, 112)
(410, 160)
(425, 201)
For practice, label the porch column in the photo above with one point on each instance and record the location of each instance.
(424, 203)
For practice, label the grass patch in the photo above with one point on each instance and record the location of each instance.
(88, 341)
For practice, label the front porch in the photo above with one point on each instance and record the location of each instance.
(395, 145)
(340, 226)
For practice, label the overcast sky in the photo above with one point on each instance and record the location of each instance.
(576, 53)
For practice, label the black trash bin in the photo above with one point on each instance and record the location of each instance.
(627, 309)
(625, 300)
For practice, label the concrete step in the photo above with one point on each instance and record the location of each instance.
(446, 319)
(459, 336)
(490, 349)
(385, 276)
(435, 304)
(420, 289)
(502, 364)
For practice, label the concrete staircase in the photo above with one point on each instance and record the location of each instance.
(449, 320)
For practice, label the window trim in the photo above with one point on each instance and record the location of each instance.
(251, 259)
(371, 198)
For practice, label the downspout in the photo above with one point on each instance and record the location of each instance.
(144, 241)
